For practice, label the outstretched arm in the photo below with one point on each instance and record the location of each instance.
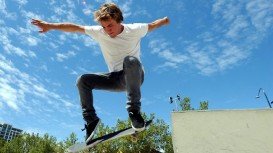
(158, 23)
(66, 27)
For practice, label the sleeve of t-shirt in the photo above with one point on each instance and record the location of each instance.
(140, 28)
(92, 31)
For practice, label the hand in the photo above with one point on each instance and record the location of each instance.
(166, 20)
(44, 26)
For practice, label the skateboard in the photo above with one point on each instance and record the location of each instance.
(111, 136)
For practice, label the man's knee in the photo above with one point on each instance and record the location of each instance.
(81, 80)
(131, 61)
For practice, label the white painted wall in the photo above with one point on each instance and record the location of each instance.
(223, 131)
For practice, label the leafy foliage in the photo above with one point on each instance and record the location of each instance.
(185, 104)
(2, 142)
(31, 143)
(204, 105)
(156, 138)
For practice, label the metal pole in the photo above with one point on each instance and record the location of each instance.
(267, 99)
(258, 96)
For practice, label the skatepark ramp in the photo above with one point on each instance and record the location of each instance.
(223, 131)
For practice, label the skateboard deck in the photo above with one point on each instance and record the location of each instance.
(111, 136)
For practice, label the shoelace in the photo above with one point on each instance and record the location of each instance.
(85, 127)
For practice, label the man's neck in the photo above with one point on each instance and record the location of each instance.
(121, 28)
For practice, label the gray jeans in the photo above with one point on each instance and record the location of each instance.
(129, 79)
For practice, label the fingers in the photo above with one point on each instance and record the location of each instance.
(167, 20)
(35, 21)
(40, 24)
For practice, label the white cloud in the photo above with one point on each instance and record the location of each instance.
(165, 66)
(71, 4)
(31, 41)
(9, 95)
(16, 86)
(230, 56)
(61, 57)
(163, 49)
(172, 56)
(201, 58)
(32, 54)
(2, 5)
(237, 27)
(27, 15)
(73, 72)
(53, 45)
(11, 49)
(261, 13)
(94, 48)
(4, 12)
(44, 68)
(64, 12)
(59, 10)
(8, 92)
(125, 8)
(87, 12)
(21, 2)
(24, 30)
(63, 37)
(11, 46)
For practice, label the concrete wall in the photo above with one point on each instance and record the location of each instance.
(223, 131)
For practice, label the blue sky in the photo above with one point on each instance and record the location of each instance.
(219, 51)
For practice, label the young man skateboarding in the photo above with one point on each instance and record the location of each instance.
(120, 46)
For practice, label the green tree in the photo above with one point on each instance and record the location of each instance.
(31, 143)
(204, 105)
(2, 142)
(156, 137)
(72, 139)
(13, 146)
(185, 104)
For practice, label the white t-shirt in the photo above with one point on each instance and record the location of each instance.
(114, 50)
